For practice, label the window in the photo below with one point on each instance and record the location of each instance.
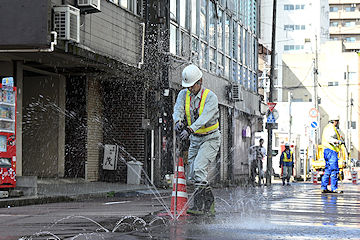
(203, 20)
(193, 17)
(212, 27)
(349, 24)
(334, 9)
(350, 9)
(293, 47)
(334, 24)
(288, 7)
(173, 37)
(184, 17)
(220, 30)
(352, 76)
(333, 84)
(352, 124)
(350, 39)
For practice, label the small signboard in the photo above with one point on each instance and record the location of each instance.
(271, 106)
(314, 124)
(313, 112)
(7, 83)
(110, 157)
(271, 118)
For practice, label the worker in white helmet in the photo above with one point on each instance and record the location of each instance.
(198, 107)
(331, 141)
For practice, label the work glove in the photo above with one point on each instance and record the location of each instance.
(185, 134)
(178, 126)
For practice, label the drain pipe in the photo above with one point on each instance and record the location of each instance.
(51, 49)
(142, 46)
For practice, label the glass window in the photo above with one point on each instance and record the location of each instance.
(212, 24)
(203, 19)
(220, 30)
(302, 27)
(203, 56)
(334, 24)
(124, 3)
(173, 37)
(184, 14)
(193, 17)
(350, 9)
(173, 10)
(334, 9)
(212, 60)
(227, 68)
(234, 38)
(240, 76)
(350, 24)
(227, 35)
(350, 39)
(195, 49)
(239, 43)
(220, 60)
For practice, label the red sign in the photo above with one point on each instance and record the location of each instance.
(271, 106)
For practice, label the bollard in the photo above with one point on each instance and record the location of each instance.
(354, 177)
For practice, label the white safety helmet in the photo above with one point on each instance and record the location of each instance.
(190, 75)
(287, 145)
(334, 117)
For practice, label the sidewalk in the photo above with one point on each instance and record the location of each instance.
(64, 189)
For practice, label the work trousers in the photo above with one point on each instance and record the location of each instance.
(202, 151)
(331, 170)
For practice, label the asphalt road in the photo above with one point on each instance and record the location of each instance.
(298, 211)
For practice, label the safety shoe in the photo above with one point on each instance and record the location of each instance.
(325, 191)
(194, 211)
(337, 191)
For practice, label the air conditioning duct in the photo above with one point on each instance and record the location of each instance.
(67, 23)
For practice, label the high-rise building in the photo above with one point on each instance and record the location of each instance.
(345, 23)
(301, 26)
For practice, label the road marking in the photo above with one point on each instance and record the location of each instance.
(109, 203)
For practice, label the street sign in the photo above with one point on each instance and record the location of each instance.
(313, 112)
(271, 105)
(271, 118)
(314, 124)
(271, 125)
(274, 112)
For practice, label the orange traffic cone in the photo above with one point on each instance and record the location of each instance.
(179, 196)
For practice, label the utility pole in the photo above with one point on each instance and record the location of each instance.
(315, 98)
(272, 67)
(347, 143)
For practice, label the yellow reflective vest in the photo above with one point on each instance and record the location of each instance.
(203, 130)
(325, 143)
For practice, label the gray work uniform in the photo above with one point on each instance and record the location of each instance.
(203, 147)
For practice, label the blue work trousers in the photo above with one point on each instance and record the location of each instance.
(331, 170)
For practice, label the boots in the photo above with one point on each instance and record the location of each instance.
(197, 209)
(209, 203)
(203, 200)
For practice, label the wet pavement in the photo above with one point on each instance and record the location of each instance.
(298, 211)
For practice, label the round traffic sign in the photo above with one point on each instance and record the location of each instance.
(313, 112)
(314, 124)
(275, 113)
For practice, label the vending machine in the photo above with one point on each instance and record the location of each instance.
(7, 134)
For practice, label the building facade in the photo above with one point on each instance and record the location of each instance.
(337, 91)
(344, 23)
(107, 73)
(301, 26)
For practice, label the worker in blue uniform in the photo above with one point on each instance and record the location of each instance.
(331, 141)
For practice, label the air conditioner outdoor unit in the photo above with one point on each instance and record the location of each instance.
(67, 23)
(89, 6)
(236, 93)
